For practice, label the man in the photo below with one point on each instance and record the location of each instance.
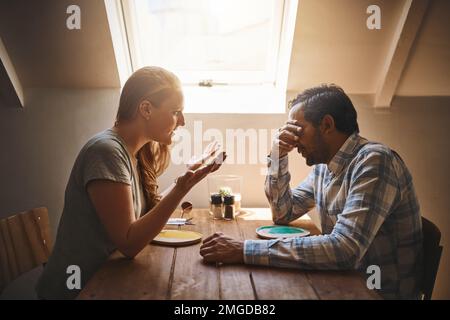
(363, 191)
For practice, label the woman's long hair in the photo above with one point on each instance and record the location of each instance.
(154, 84)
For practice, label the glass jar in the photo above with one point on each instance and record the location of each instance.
(227, 185)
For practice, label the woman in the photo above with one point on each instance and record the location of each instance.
(111, 200)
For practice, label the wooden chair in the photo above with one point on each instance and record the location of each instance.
(25, 243)
(432, 251)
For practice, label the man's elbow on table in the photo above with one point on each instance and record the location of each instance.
(279, 218)
(283, 220)
(280, 221)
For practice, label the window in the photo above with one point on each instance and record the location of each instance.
(231, 55)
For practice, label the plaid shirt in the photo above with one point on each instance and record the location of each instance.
(369, 216)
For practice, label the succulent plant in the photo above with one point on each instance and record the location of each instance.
(225, 191)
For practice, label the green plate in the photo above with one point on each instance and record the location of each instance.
(274, 232)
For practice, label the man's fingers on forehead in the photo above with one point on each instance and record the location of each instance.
(285, 145)
(294, 127)
(293, 121)
(289, 136)
(292, 133)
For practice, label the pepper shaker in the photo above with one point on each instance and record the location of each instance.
(228, 202)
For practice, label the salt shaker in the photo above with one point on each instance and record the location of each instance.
(216, 206)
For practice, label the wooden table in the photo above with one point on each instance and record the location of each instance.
(160, 272)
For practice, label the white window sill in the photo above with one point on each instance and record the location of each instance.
(234, 99)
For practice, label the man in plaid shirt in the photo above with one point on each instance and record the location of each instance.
(363, 191)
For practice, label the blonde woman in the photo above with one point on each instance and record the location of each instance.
(111, 199)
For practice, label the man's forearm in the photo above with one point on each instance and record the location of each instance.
(277, 189)
(320, 252)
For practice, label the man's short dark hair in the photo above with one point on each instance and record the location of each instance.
(328, 99)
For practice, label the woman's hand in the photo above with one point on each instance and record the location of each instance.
(196, 162)
(192, 177)
(203, 160)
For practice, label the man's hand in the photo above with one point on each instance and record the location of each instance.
(286, 139)
(220, 248)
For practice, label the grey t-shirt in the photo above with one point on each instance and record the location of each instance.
(81, 238)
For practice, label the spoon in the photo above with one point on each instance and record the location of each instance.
(186, 208)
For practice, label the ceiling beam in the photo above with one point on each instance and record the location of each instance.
(11, 91)
(408, 26)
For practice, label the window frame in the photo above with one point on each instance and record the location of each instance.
(219, 96)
